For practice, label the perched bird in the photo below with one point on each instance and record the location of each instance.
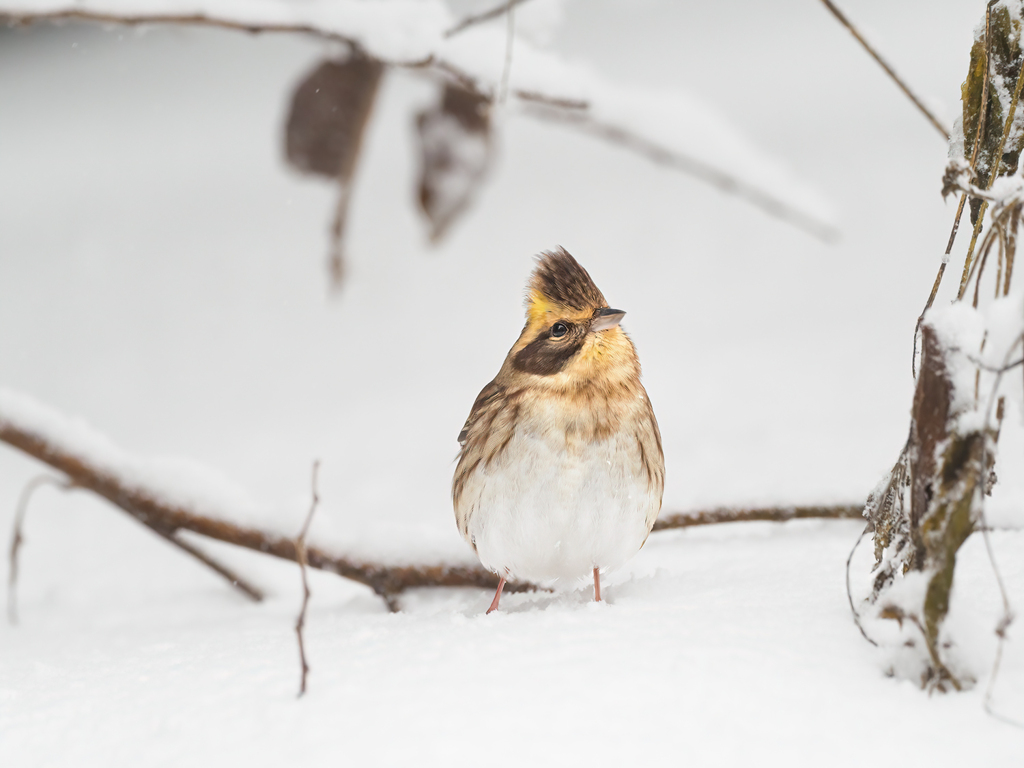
(560, 472)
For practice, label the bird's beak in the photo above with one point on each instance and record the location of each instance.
(606, 318)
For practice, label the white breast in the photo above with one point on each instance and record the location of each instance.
(548, 509)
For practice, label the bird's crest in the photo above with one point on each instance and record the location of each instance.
(559, 285)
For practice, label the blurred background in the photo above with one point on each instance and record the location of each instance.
(163, 272)
(163, 276)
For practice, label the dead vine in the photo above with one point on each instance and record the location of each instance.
(300, 548)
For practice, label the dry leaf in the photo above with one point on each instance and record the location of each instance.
(329, 112)
(455, 146)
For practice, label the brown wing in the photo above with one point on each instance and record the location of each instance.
(488, 431)
(487, 394)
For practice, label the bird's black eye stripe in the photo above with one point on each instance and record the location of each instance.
(558, 330)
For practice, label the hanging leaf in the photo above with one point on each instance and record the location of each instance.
(329, 112)
(455, 147)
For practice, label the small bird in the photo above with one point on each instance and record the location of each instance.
(561, 472)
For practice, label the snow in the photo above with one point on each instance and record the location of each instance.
(960, 329)
(163, 278)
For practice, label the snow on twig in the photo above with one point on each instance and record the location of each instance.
(667, 126)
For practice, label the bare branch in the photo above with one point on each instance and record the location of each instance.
(771, 514)
(148, 508)
(300, 546)
(480, 18)
(388, 581)
(566, 110)
(244, 586)
(849, 592)
(888, 69)
(658, 154)
(17, 539)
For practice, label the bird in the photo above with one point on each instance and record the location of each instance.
(560, 471)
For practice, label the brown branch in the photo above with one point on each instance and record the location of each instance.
(167, 519)
(888, 69)
(244, 586)
(387, 581)
(772, 514)
(17, 539)
(480, 18)
(300, 546)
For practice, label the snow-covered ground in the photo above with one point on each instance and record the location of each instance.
(162, 276)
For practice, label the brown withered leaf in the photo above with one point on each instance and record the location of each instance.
(1006, 53)
(324, 133)
(455, 153)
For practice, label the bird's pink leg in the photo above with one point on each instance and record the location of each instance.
(497, 595)
(597, 585)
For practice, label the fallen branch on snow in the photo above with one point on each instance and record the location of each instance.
(49, 437)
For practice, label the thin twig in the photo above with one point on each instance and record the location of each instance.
(510, 39)
(17, 539)
(238, 582)
(336, 256)
(196, 19)
(300, 548)
(849, 592)
(1004, 623)
(1008, 616)
(981, 263)
(888, 69)
(480, 18)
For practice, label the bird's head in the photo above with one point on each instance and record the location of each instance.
(571, 333)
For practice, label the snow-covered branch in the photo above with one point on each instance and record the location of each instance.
(173, 496)
(666, 126)
(169, 497)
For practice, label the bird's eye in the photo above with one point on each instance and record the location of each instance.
(558, 330)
